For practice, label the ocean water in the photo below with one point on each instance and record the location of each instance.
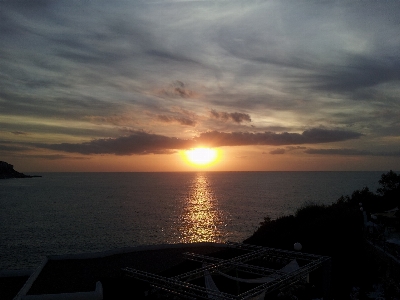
(64, 213)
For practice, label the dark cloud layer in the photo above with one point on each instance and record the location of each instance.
(312, 136)
(180, 120)
(235, 116)
(146, 143)
(359, 72)
(350, 152)
(137, 143)
(11, 147)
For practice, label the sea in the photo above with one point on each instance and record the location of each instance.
(70, 213)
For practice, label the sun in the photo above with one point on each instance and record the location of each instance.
(201, 156)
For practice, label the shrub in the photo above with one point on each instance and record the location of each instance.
(389, 190)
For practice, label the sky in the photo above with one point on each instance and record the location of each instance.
(130, 85)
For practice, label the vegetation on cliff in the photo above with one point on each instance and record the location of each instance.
(338, 231)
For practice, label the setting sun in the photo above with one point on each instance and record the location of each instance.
(201, 156)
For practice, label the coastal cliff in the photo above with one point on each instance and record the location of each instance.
(7, 171)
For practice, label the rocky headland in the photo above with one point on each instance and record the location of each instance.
(7, 171)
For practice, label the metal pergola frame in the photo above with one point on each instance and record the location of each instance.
(180, 285)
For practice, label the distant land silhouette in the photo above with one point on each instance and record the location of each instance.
(7, 171)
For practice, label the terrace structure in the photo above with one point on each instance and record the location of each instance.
(242, 271)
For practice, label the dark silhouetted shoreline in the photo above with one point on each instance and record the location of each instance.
(7, 171)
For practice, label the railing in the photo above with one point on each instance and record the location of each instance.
(180, 285)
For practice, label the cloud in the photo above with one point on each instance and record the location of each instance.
(146, 143)
(11, 147)
(175, 119)
(288, 65)
(293, 148)
(117, 120)
(361, 71)
(19, 133)
(75, 104)
(312, 136)
(350, 152)
(177, 90)
(175, 114)
(277, 151)
(235, 116)
(341, 151)
(70, 128)
(58, 157)
(137, 143)
(167, 56)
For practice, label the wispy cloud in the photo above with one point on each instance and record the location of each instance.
(293, 148)
(117, 120)
(58, 157)
(278, 151)
(12, 147)
(19, 133)
(175, 119)
(351, 152)
(177, 90)
(235, 116)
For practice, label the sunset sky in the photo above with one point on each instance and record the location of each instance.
(129, 85)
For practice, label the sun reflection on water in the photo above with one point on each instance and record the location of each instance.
(200, 220)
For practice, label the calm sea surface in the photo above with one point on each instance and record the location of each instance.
(63, 213)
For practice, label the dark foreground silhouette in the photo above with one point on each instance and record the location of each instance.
(7, 171)
(339, 231)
